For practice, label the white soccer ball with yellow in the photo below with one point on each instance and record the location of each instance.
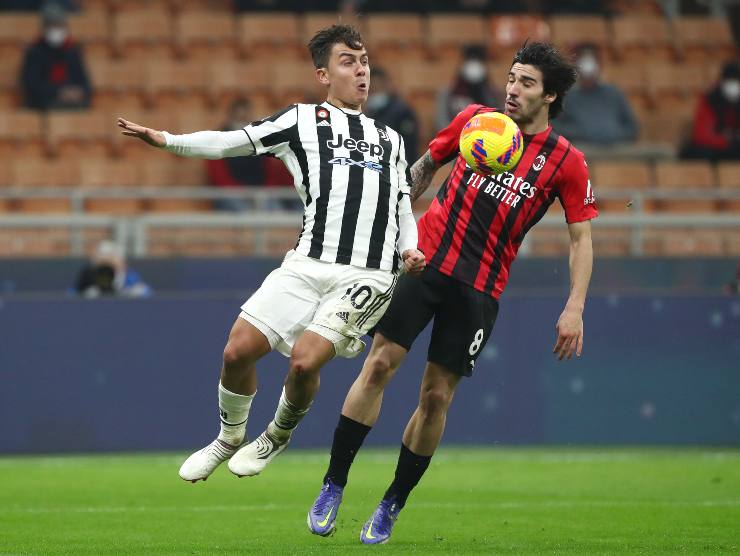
(491, 143)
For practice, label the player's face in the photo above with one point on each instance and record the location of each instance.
(348, 76)
(525, 96)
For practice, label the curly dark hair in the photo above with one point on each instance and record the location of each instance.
(321, 43)
(558, 72)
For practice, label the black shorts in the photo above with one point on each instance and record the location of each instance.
(463, 318)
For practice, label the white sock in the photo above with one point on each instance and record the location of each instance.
(234, 411)
(287, 417)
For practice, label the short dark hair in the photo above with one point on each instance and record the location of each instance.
(322, 42)
(558, 72)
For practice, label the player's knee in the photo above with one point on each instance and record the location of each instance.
(303, 364)
(237, 352)
(378, 370)
(435, 401)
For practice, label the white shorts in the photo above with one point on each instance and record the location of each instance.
(337, 301)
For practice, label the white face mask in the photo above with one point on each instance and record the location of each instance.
(473, 71)
(731, 89)
(377, 101)
(56, 36)
(588, 67)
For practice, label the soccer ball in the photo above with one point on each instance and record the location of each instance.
(491, 143)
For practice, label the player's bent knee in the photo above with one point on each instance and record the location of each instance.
(378, 370)
(238, 352)
(435, 401)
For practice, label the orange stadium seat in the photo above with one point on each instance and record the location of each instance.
(17, 30)
(229, 79)
(671, 83)
(611, 242)
(447, 33)
(684, 243)
(275, 35)
(94, 30)
(143, 33)
(704, 38)
(678, 176)
(620, 176)
(43, 172)
(21, 133)
(642, 37)
(10, 68)
(394, 37)
(295, 82)
(87, 133)
(103, 172)
(47, 242)
(117, 82)
(728, 178)
(206, 34)
(507, 33)
(184, 6)
(177, 85)
(571, 30)
(312, 22)
(667, 126)
(631, 79)
(424, 80)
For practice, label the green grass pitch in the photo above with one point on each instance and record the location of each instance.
(471, 501)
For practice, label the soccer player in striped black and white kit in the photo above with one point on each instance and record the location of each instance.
(358, 232)
(470, 235)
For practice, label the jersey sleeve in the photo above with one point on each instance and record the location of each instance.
(271, 135)
(575, 191)
(446, 144)
(402, 168)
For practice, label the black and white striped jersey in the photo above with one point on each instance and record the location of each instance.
(350, 172)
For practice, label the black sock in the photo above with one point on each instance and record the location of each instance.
(409, 470)
(348, 438)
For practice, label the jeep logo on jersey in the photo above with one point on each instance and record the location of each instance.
(356, 145)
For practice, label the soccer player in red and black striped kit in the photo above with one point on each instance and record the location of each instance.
(470, 235)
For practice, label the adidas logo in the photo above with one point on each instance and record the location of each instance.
(344, 315)
(323, 123)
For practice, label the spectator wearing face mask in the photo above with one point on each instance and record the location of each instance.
(385, 105)
(716, 128)
(596, 113)
(53, 74)
(471, 86)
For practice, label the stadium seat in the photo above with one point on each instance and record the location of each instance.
(106, 173)
(77, 133)
(177, 85)
(312, 22)
(269, 34)
(46, 242)
(679, 176)
(94, 30)
(571, 30)
(702, 38)
(448, 32)
(642, 37)
(728, 178)
(206, 34)
(143, 33)
(684, 243)
(171, 170)
(675, 84)
(669, 127)
(17, 30)
(20, 128)
(10, 67)
(507, 33)
(118, 83)
(45, 173)
(425, 80)
(610, 242)
(230, 79)
(620, 176)
(395, 36)
(631, 79)
(295, 82)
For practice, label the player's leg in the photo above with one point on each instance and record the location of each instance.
(309, 354)
(410, 309)
(462, 325)
(245, 346)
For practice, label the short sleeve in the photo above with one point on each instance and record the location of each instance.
(446, 144)
(271, 135)
(575, 192)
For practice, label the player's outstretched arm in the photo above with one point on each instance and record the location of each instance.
(148, 135)
(422, 173)
(570, 323)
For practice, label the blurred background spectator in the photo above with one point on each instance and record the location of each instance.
(386, 105)
(716, 127)
(595, 112)
(107, 273)
(54, 74)
(471, 86)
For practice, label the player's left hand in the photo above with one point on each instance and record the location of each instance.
(413, 261)
(570, 334)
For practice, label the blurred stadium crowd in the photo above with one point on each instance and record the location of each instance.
(668, 122)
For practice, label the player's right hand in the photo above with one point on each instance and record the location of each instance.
(413, 261)
(146, 134)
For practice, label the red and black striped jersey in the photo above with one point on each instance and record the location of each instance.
(475, 225)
